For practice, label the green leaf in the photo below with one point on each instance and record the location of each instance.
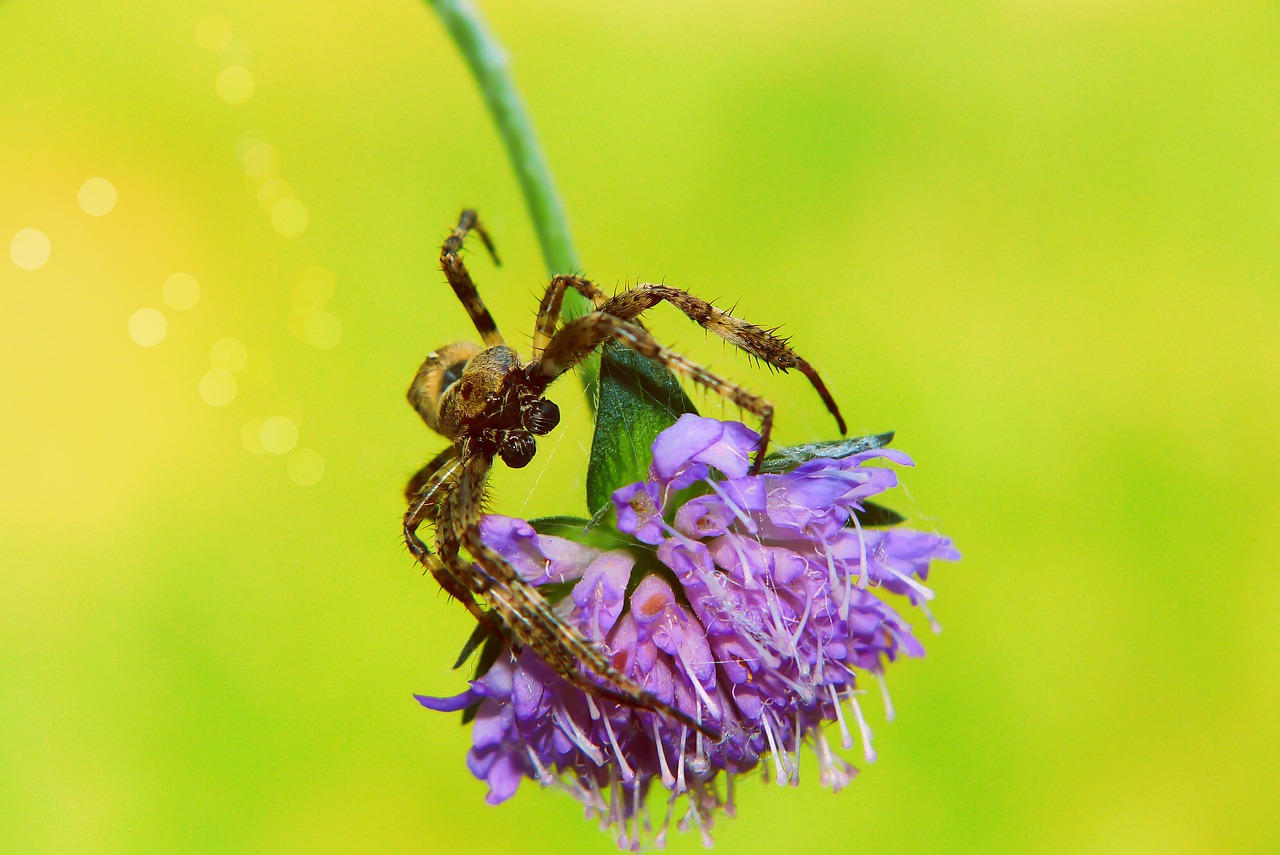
(639, 399)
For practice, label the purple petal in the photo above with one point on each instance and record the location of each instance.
(539, 558)
(678, 444)
(602, 592)
(454, 703)
(705, 516)
(639, 510)
(731, 452)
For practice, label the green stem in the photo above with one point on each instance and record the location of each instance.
(489, 64)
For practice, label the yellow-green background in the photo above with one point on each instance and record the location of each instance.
(1037, 238)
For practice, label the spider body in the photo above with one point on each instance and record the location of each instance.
(483, 399)
(489, 404)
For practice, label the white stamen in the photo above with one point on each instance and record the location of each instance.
(570, 729)
(712, 707)
(730, 808)
(795, 763)
(660, 839)
(834, 771)
(627, 774)
(867, 750)
(737, 512)
(680, 786)
(699, 764)
(668, 780)
(911, 582)
(602, 804)
(833, 581)
(846, 738)
(795, 638)
(933, 623)
(864, 573)
(544, 777)
(884, 694)
(615, 808)
(695, 813)
(747, 577)
(635, 818)
(780, 776)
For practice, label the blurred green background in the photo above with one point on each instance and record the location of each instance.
(1039, 239)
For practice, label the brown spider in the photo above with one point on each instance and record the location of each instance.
(488, 403)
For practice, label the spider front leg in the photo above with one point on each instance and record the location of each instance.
(460, 279)
(582, 335)
(757, 341)
(549, 311)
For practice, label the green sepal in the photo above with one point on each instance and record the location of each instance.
(478, 636)
(789, 457)
(639, 399)
(580, 530)
(877, 516)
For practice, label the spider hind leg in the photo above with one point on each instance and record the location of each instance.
(526, 613)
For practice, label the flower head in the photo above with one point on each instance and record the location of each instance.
(754, 607)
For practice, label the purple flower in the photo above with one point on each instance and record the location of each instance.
(777, 616)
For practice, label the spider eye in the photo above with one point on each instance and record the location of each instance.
(541, 416)
(518, 449)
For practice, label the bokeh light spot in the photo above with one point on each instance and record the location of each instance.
(229, 354)
(251, 436)
(306, 467)
(213, 33)
(313, 289)
(181, 291)
(278, 434)
(271, 191)
(237, 52)
(148, 327)
(29, 249)
(289, 217)
(235, 84)
(217, 387)
(323, 331)
(97, 197)
(260, 160)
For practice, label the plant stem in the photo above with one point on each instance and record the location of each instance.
(489, 64)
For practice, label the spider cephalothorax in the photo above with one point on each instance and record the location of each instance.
(484, 400)
(489, 404)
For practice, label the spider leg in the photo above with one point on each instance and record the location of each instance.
(757, 341)
(460, 279)
(582, 335)
(425, 474)
(425, 491)
(549, 311)
(526, 612)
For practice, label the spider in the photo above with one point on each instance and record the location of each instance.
(488, 403)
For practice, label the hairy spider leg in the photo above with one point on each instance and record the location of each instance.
(421, 478)
(549, 311)
(755, 340)
(460, 279)
(524, 610)
(431, 479)
(582, 335)
(632, 303)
